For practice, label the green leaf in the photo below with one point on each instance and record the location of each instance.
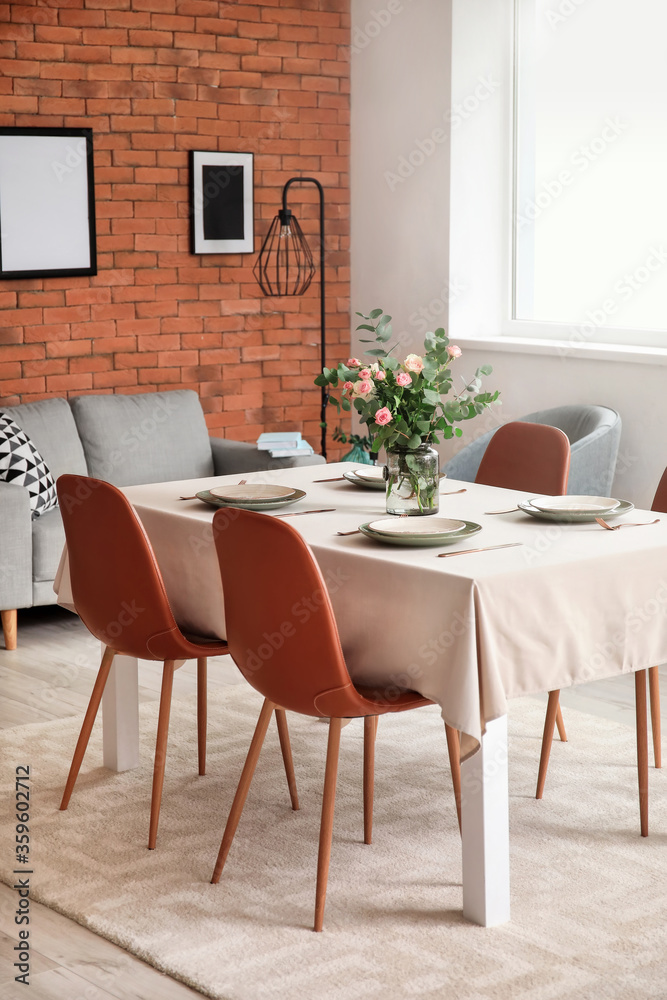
(431, 396)
(345, 403)
(414, 441)
(366, 326)
(384, 334)
(321, 380)
(374, 313)
(458, 432)
(377, 352)
(484, 370)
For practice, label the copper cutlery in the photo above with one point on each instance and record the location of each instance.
(452, 493)
(486, 548)
(626, 524)
(296, 513)
(334, 479)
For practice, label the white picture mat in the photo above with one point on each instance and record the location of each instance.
(44, 220)
(244, 160)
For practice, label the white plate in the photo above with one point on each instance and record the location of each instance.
(575, 504)
(372, 474)
(416, 525)
(253, 492)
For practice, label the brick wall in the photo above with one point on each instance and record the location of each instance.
(154, 79)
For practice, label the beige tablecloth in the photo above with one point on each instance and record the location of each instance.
(573, 603)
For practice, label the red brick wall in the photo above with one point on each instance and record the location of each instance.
(154, 79)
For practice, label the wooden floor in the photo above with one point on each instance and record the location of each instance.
(50, 676)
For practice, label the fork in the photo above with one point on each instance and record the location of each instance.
(626, 524)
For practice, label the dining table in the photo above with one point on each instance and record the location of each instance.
(541, 606)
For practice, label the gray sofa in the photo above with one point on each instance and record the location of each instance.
(124, 439)
(594, 433)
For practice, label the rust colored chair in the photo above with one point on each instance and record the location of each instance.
(553, 711)
(306, 673)
(531, 457)
(120, 597)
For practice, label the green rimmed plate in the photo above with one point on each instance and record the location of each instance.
(207, 497)
(366, 484)
(571, 517)
(419, 540)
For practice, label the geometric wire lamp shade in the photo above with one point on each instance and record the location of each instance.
(285, 264)
(285, 267)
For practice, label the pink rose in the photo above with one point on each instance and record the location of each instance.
(454, 351)
(413, 363)
(364, 389)
(383, 416)
(403, 379)
(380, 375)
(365, 373)
(348, 385)
(353, 363)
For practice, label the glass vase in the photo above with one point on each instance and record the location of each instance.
(358, 454)
(413, 480)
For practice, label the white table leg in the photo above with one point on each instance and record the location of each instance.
(485, 829)
(120, 715)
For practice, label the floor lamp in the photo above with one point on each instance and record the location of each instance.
(285, 267)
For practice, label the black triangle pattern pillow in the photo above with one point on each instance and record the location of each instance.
(22, 464)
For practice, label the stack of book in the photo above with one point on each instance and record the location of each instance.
(284, 444)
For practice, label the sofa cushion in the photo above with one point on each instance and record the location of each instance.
(22, 464)
(50, 426)
(48, 540)
(145, 438)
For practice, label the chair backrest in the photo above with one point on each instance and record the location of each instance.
(116, 584)
(660, 498)
(280, 624)
(523, 456)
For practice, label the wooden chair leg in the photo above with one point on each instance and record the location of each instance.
(88, 722)
(654, 689)
(244, 785)
(370, 732)
(454, 748)
(286, 748)
(201, 713)
(561, 725)
(547, 739)
(326, 824)
(161, 749)
(642, 748)
(9, 628)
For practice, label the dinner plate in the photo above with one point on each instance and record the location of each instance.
(367, 484)
(416, 525)
(575, 504)
(370, 473)
(252, 493)
(418, 540)
(568, 517)
(208, 497)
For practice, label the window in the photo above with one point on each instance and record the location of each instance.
(590, 170)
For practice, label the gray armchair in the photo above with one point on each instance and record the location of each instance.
(594, 433)
(124, 439)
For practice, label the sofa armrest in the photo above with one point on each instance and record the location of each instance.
(16, 551)
(232, 457)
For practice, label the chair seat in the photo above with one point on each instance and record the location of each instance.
(402, 702)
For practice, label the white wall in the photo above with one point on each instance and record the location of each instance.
(410, 244)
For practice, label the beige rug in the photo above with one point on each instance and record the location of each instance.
(589, 912)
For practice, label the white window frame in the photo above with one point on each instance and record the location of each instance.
(574, 337)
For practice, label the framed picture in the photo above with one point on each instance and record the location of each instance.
(47, 202)
(222, 208)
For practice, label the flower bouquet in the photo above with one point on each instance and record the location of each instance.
(403, 406)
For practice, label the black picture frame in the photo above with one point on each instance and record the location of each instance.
(221, 202)
(47, 203)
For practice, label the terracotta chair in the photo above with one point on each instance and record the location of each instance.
(530, 457)
(120, 597)
(305, 673)
(553, 711)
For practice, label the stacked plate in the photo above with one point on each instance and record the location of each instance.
(371, 477)
(251, 496)
(419, 531)
(575, 508)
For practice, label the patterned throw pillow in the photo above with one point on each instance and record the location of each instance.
(22, 464)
